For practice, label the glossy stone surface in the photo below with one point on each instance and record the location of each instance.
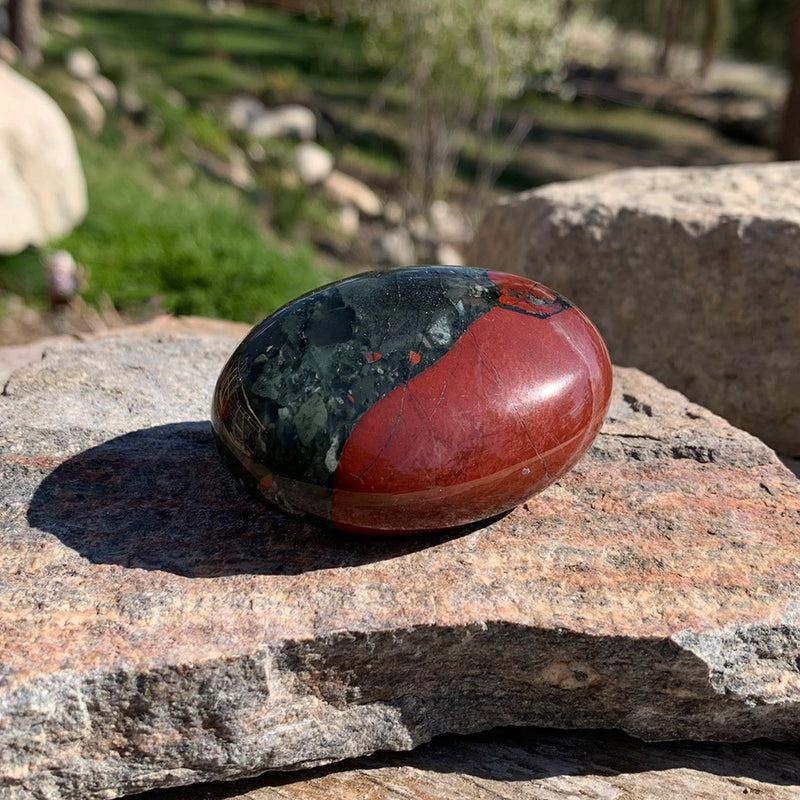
(412, 400)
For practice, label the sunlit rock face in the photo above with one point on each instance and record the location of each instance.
(413, 400)
(158, 626)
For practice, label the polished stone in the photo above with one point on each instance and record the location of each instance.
(413, 400)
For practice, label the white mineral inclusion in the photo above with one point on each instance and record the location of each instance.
(331, 462)
(439, 331)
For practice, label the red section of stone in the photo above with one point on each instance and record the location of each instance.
(524, 294)
(513, 405)
(372, 357)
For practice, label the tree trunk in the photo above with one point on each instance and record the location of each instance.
(674, 18)
(789, 140)
(708, 46)
(24, 17)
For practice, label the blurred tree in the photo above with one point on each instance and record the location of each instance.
(459, 60)
(789, 139)
(708, 45)
(640, 16)
(675, 12)
(751, 29)
(759, 29)
(24, 22)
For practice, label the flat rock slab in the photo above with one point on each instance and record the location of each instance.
(158, 627)
(532, 764)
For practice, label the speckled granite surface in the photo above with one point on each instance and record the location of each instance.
(158, 627)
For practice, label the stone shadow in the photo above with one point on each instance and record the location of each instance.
(161, 499)
(530, 755)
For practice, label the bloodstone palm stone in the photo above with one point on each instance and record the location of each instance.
(412, 400)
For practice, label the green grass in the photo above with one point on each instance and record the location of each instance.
(206, 132)
(22, 275)
(262, 52)
(627, 123)
(156, 227)
(195, 245)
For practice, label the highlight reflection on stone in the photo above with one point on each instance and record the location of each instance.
(412, 400)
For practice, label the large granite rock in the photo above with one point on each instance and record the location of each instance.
(692, 275)
(158, 627)
(42, 188)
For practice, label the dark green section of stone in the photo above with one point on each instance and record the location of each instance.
(310, 370)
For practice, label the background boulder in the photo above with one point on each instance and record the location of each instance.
(314, 163)
(692, 275)
(43, 189)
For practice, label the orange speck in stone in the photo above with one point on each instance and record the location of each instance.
(265, 482)
(372, 357)
(413, 357)
(515, 285)
(351, 398)
(517, 302)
